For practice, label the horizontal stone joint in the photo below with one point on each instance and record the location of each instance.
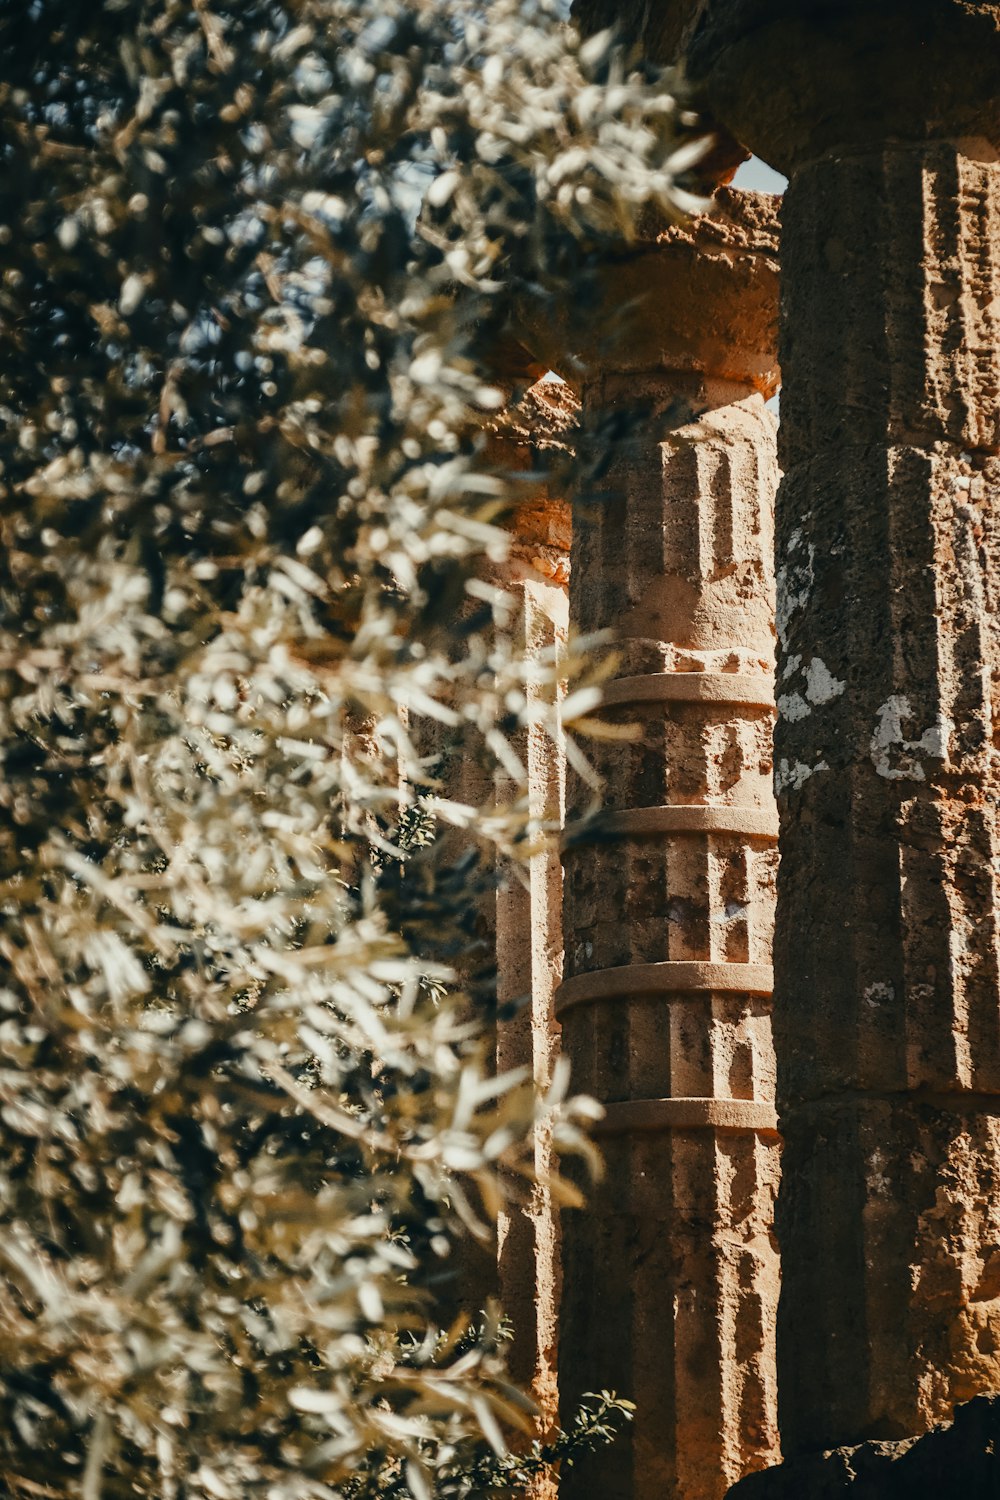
(679, 977)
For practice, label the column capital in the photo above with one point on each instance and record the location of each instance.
(796, 79)
(701, 298)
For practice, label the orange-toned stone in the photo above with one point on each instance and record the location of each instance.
(670, 1273)
(533, 435)
(887, 950)
(529, 966)
(664, 31)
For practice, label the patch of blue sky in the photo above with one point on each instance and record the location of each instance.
(757, 177)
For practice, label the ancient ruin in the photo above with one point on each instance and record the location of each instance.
(880, 1062)
(665, 1007)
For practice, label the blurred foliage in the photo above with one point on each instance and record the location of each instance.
(256, 258)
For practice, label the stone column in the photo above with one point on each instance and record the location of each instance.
(887, 995)
(529, 961)
(519, 917)
(670, 1271)
(518, 908)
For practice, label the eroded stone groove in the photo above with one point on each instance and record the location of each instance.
(529, 964)
(889, 788)
(870, 375)
(670, 1274)
(887, 995)
(526, 904)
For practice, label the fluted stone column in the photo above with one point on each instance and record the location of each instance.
(887, 997)
(529, 960)
(517, 938)
(670, 1271)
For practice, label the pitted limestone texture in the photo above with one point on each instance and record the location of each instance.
(670, 1274)
(529, 905)
(909, 356)
(724, 263)
(799, 79)
(887, 969)
(664, 30)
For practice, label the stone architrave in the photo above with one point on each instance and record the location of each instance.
(670, 1272)
(886, 118)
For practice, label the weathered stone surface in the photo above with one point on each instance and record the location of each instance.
(700, 297)
(670, 1274)
(664, 30)
(798, 79)
(886, 767)
(887, 1006)
(903, 349)
(887, 988)
(901, 1200)
(960, 1458)
(529, 966)
(520, 911)
(887, 1009)
(669, 1294)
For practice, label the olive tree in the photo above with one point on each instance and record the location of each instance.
(255, 259)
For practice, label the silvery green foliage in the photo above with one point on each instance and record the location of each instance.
(254, 256)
